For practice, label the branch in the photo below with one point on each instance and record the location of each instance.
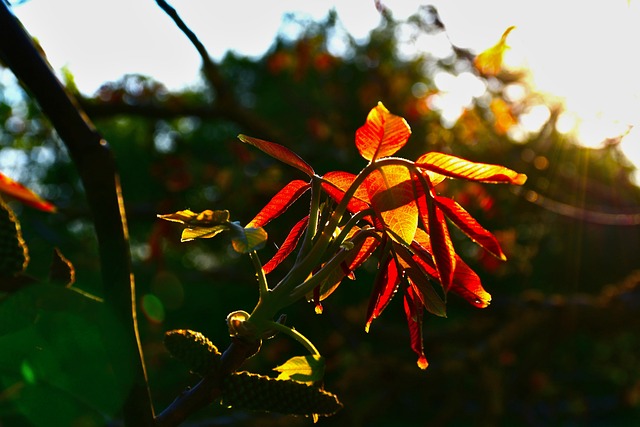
(97, 171)
(209, 388)
(244, 118)
(211, 71)
(225, 99)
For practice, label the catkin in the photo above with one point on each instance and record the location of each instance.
(244, 390)
(193, 349)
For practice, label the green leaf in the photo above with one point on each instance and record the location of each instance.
(306, 369)
(431, 300)
(189, 234)
(248, 239)
(204, 218)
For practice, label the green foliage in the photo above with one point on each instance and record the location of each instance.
(306, 369)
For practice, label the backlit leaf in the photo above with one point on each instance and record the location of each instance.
(362, 252)
(413, 313)
(456, 167)
(392, 197)
(489, 62)
(382, 134)
(466, 283)
(280, 202)
(248, 239)
(307, 369)
(336, 183)
(18, 191)
(205, 218)
(431, 300)
(438, 241)
(442, 248)
(279, 152)
(189, 234)
(385, 287)
(287, 246)
(358, 253)
(465, 222)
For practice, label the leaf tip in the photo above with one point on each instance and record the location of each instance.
(520, 179)
(422, 362)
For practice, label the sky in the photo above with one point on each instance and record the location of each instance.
(566, 44)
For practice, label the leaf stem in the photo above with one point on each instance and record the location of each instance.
(314, 211)
(296, 336)
(315, 280)
(263, 286)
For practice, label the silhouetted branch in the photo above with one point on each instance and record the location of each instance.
(224, 99)
(97, 170)
(209, 388)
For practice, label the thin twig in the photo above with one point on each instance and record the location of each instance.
(225, 99)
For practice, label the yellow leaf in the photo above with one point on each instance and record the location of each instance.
(392, 197)
(489, 62)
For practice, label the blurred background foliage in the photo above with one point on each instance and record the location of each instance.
(557, 346)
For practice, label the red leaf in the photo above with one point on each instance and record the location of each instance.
(280, 202)
(22, 193)
(364, 252)
(336, 183)
(279, 152)
(466, 283)
(465, 222)
(413, 312)
(456, 167)
(382, 134)
(288, 245)
(438, 242)
(386, 285)
(357, 255)
(442, 249)
(391, 192)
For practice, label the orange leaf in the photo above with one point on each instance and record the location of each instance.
(382, 134)
(444, 254)
(489, 62)
(280, 202)
(413, 312)
(392, 197)
(466, 283)
(287, 246)
(336, 183)
(22, 193)
(465, 222)
(386, 285)
(441, 247)
(364, 252)
(279, 152)
(456, 167)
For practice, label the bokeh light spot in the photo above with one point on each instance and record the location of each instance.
(153, 308)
